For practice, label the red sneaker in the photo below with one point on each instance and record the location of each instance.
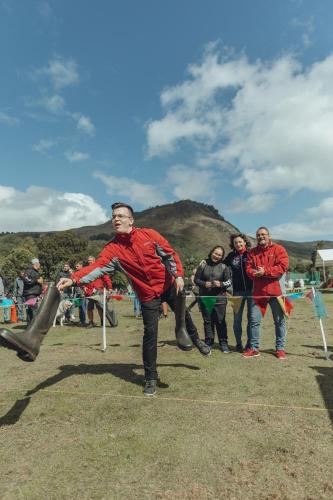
(251, 353)
(280, 354)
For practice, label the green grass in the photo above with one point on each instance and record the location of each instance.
(75, 424)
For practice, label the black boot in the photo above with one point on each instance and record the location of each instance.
(203, 348)
(110, 314)
(183, 339)
(28, 342)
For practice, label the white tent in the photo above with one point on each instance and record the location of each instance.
(324, 258)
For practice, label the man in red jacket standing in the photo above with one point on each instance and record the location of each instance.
(267, 265)
(156, 275)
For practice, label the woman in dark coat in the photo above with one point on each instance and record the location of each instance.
(242, 285)
(213, 279)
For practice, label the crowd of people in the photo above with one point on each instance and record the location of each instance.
(155, 273)
(27, 289)
(257, 277)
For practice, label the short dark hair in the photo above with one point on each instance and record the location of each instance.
(119, 204)
(262, 227)
(239, 235)
(213, 250)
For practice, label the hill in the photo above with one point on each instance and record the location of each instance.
(191, 227)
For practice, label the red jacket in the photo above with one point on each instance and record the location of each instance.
(274, 260)
(144, 256)
(99, 285)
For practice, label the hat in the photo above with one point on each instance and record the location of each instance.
(34, 261)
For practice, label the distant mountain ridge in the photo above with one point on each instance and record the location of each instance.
(194, 228)
(191, 227)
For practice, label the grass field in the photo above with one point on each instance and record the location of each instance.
(74, 424)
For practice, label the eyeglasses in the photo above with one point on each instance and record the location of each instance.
(262, 234)
(120, 216)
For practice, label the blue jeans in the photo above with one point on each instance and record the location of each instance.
(137, 306)
(239, 315)
(20, 308)
(82, 310)
(279, 322)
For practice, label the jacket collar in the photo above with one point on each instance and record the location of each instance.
(126, 237)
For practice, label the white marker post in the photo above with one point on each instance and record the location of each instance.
(104, 327)
(321, 328)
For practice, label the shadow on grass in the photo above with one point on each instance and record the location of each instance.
(120, 370)
(314, 346)
(325, 383)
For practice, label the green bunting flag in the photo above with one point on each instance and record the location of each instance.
(208, 302)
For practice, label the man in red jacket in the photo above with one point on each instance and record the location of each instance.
(155, 272)
(267, 265)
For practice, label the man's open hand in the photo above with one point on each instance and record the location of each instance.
(64, 283)
(179, 285)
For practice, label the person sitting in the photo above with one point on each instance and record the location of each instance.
(213, 278)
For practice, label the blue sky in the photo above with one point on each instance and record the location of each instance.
(151, 101)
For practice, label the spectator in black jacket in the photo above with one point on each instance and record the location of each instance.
(18, 294)
(213, 279)
(32, 288)
(242, 285)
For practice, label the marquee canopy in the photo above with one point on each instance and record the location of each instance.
(324, 258)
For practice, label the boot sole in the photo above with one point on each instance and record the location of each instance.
(185, 347)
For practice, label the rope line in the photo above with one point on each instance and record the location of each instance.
(183, 400)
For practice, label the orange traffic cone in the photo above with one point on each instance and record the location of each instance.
(13, 314)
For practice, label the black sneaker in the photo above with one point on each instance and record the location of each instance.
(239, 348)
(224, 348)
(150, 388)
(203, 348)
(90, 325)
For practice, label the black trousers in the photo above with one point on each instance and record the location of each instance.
(215, 319)
(31, 312)
(150, 316)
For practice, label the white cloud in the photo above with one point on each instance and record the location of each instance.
(76, 156)
(164, 134)
(308, 29)
(62, 72)
(257, 203)
(55, 104)
(267, 124)
(190, 182)
(325, 209)
(6, 119)
(44, 145)
(44, 209)
(316, 223)
(300, 231)
(145, 195)
(45, 10)
(84, 124)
